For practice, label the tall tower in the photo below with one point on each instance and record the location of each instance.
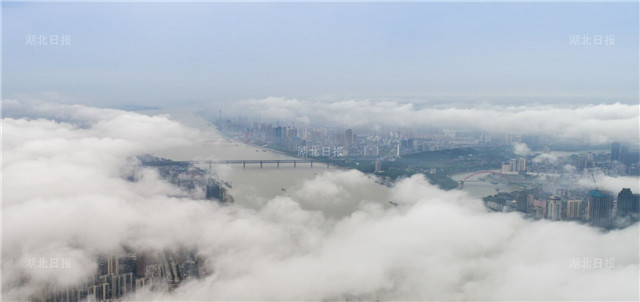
(141, 265)
(615, 151)
(348, 138)
(554, 207)
(213, 191)
(600, 208)
(513, 165)
(628, 203)
(113, 266)
(522, 164)
(521, 202)
(573, 208)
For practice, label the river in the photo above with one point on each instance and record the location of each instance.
(253, 186)
(481, 188)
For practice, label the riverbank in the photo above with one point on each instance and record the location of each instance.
(436, 166)
(390, 173)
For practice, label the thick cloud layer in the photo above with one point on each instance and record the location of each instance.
(608, 183)
(435, 246)
(521, 149)
(600, 123)
(64, 195)
(64, 192)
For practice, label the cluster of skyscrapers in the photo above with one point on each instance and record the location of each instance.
(119, 276)
(377, 143)
(380, 143)
(596, 207)
(603, 208)
(514, 166)
(195, 182)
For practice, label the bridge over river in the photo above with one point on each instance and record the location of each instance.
(244, 162)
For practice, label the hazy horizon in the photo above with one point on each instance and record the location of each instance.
(170, 54)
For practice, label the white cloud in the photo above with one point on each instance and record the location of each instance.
(546, 158)
(600, 123)
(521, 149)
(64, 196)
(442, 245)
(608, 183)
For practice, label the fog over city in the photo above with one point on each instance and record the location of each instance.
(435, 245)
(599, 123)
(320, 151)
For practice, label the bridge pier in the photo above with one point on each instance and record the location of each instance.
(294, 163)
(311, 164)
(244, 164)
(278, 164)
(260, 164)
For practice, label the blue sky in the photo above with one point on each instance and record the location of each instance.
(175, 53)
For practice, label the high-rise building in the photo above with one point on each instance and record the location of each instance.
(141, 265)
(279, 135)
(378, 166)
(113, 266)
(214, 191)
(522, 164)
(554, 207)
(521, 202)
(513, 164)
(505, 168)
(600, 208)
(615, 151)
(541, 203)
(628, 203)
(348, 138)
(573, 209)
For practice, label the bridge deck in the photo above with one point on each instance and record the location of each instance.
(243, 162)
(261, 162)
(254, 161)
